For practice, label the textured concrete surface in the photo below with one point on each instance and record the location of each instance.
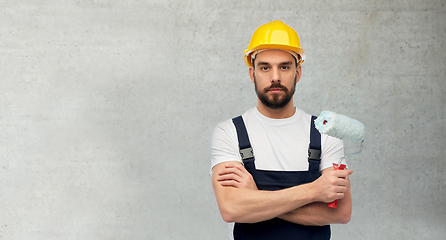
(106, 110)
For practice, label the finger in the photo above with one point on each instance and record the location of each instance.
(230, 183)
(230, 176)
(340, 196)
(229, 170)
(226, 171)
(342, 182)
(342, 173)
(231, 165)
(232, 169)
(235, 167)
(341, 189)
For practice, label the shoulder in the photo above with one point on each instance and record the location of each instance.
(228, 126)
(226, 130)
(302, 117)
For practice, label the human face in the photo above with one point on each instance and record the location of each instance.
(275, 75)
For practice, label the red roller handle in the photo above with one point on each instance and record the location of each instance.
(334, 204)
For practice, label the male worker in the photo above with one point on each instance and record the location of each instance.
(272, 171)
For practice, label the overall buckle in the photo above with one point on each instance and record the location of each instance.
(246, 153)
(314, 154)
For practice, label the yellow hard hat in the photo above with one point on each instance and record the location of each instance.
(274, 35)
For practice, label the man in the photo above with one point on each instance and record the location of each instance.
(263, 177)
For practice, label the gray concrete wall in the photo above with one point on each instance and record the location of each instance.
(106, 110)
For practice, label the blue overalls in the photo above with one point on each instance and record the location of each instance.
(275, 180)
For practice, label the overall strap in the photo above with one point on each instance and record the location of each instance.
(314, 150)
(243, 139)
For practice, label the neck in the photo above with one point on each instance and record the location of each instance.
(285, 112)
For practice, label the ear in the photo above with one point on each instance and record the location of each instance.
(298, 73)
(251, 74)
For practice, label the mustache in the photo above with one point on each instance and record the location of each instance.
(276, 85)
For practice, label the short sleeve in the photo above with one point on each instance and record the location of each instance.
(332, 151)
(224, 144)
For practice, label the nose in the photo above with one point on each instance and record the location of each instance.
(275, 75)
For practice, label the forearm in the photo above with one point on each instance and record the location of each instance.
(250, 205)
(319, 214)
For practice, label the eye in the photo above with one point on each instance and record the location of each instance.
(285, 67)
(264, 68)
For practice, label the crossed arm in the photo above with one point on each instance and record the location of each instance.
(239, 200)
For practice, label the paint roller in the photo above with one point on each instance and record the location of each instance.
(342, 127)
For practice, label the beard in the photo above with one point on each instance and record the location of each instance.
(276, 101)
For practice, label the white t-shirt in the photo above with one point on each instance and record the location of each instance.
(278, 144)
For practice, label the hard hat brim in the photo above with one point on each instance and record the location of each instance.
(248, 52)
